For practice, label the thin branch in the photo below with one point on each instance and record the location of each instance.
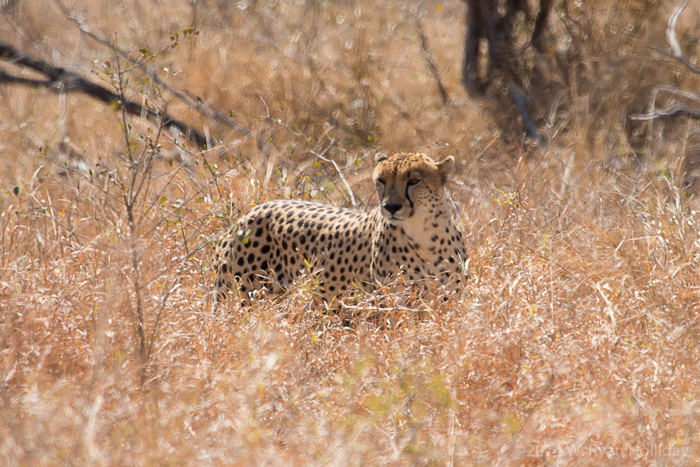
(321, 155)
(530, 127)
(431, 63)
(337, 123)
(203, 108)
(677, 111)
(675, 91)
(61, 80)
(37, 83)
(672, 40)
(540, 25)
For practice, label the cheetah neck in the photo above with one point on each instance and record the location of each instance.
(421, 231)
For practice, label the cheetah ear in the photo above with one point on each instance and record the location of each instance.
(380, 156)
(445, 168)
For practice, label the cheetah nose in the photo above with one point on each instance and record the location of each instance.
(392, 208)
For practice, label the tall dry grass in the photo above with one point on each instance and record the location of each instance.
(575, 341)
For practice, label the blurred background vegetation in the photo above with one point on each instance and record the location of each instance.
(360, 75)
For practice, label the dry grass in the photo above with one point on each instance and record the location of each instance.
(575, 342)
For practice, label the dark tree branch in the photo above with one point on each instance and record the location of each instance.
(475, 31)
(530, 127)
(493, 21)
(205, 109)
(61, 80)
(540, 25)
(37, 83)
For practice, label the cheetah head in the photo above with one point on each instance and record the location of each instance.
(410, 183)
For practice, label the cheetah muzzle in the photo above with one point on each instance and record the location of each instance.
(409, 233)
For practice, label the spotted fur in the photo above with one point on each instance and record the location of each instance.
(409, 233)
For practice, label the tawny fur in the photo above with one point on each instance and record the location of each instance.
(409, 233)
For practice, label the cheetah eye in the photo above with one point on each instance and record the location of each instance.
(413, 181)
(381, 181)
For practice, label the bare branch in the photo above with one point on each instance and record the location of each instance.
(676, 51)
(7, 78)
(203, 108)
(671, 29)
(677, 111)
(431, 63)
(484, 21)
(61, 80)
(540, 25)
(321, 155)
(530, 127)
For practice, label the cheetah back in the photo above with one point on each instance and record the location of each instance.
(273, 243)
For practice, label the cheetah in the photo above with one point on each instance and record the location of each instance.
(409, 233)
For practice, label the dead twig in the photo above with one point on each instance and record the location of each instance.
(672, 40)
(186, 97)
(61, 80)
(322, 156)
(677, 53)
(431, 63)
(677, 111)
(530, 127)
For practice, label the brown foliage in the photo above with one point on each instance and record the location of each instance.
(575, 342)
